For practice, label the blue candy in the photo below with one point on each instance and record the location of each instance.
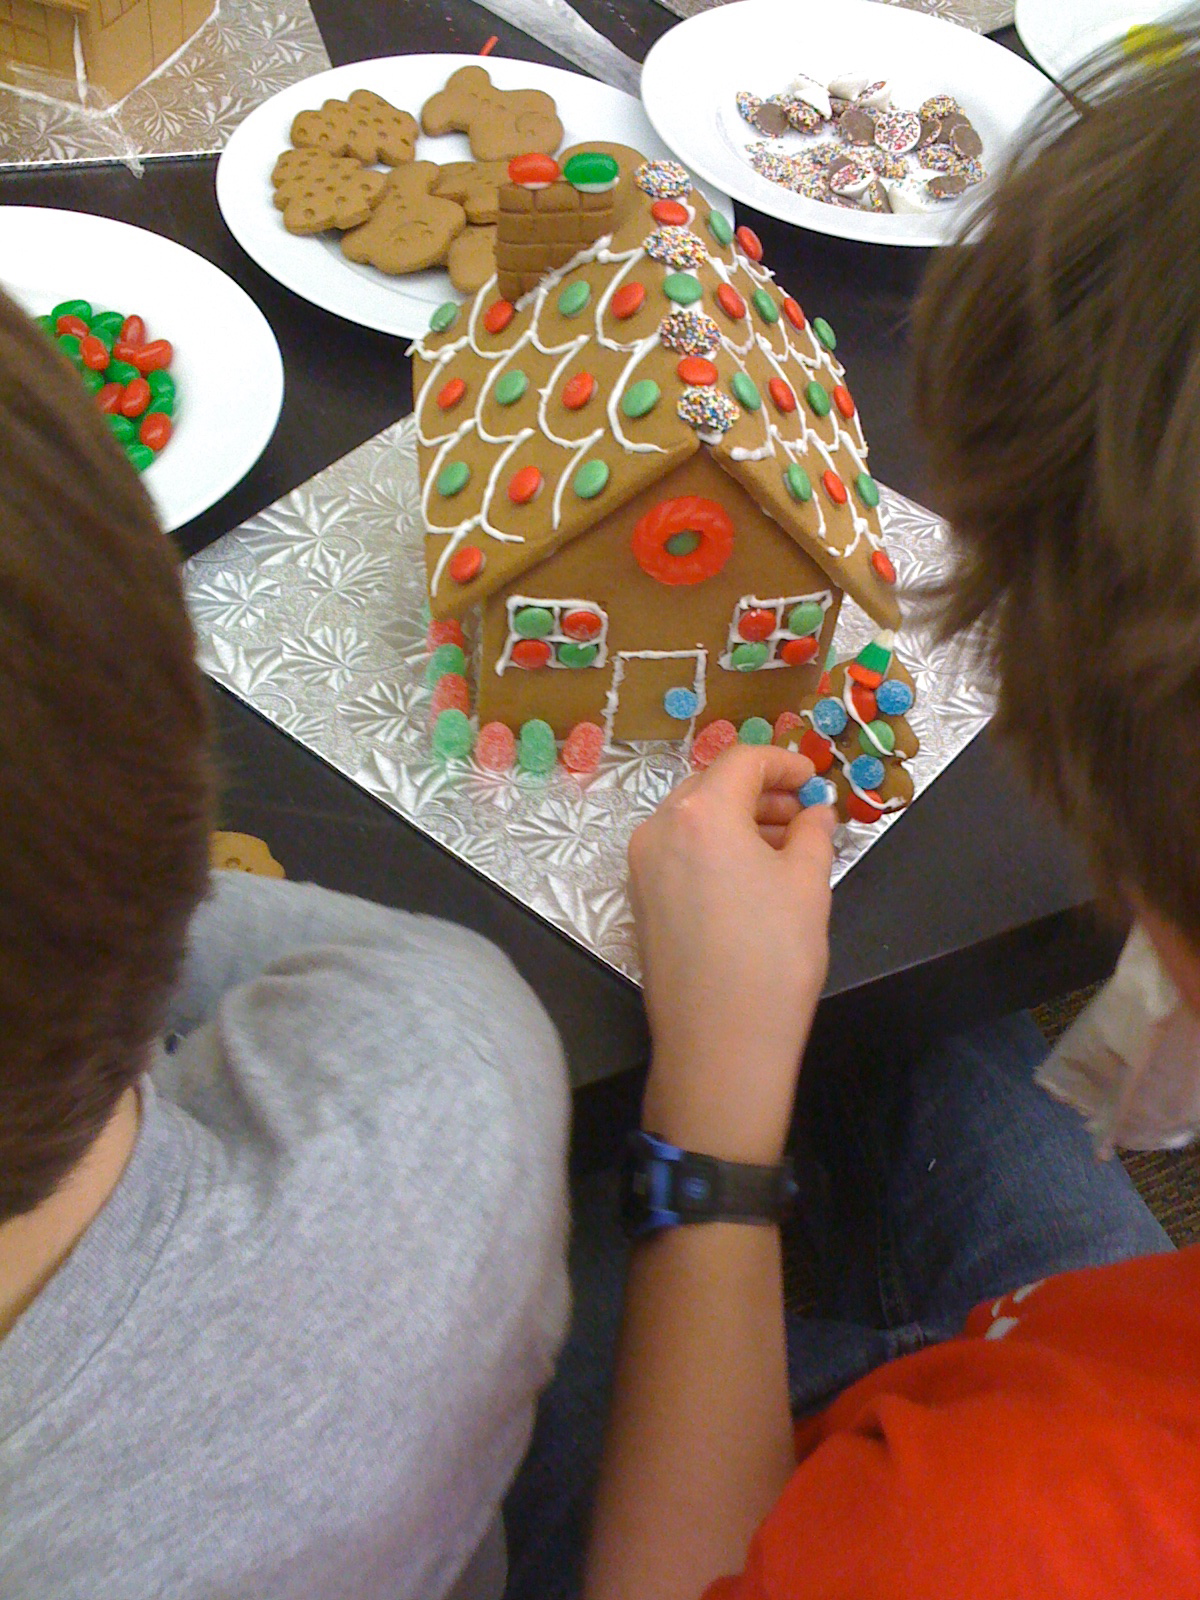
(682, 704)
(829, 717)
(817, 792)
(866, 772)
(893, 697)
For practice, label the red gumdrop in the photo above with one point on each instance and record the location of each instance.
(799, 652)
(109, 398)
(786, 722)
(136, 398)
(154, 357)
(584, 746)
(867, 676)
(496, 747)
(155, 430)
(756, 625)
(863, 701)
(582, 625)
(818, 750)
(450, 693)
(711, 742)
(859, 811)
(75, 326)
(133, 330)
(825, 684)
(530, 654)
(447, 632)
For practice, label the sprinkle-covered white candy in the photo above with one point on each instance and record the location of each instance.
(811, 92)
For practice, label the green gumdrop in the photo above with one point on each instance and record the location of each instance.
(121, 372)
(744, 391)
(574, 297)
(536, 748)
(107, 326)
(93, 382)
(124, 430)
(640, 398)
(591, 479)
(719, 227)
(69, 345)
(749, 657)
(755, 730)
(140, 456)
(797, 482)
(879, 737)
(446, 658)
(533, 622)
(72, 308)
(578, 655)
(817, 396)
(452, 735)
(805, 618)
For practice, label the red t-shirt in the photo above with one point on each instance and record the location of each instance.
(1052, 1450)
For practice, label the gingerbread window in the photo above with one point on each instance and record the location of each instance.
(784, 632)
(568, 634)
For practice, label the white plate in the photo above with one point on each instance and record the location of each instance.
(693, 73)
(315, 267)
(1061, 34)
(227, 366)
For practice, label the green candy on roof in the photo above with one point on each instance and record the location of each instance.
(591, 172)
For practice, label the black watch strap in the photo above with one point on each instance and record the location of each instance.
(666, 1187)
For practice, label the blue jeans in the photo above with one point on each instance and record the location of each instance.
(931, 1190)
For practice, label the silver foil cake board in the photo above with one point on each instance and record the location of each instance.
(246, 52)
(981, 16)
(313, 612)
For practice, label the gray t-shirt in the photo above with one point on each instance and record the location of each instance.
(296, 1355)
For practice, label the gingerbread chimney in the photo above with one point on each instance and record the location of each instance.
(548, 215)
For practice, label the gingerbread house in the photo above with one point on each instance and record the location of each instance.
(109, 45)
(648, 471)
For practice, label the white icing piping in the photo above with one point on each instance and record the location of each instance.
(612, 698)
(558, 608)
(749, 602)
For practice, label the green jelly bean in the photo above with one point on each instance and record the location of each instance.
(591, 171)
(163, 402)
(446, 658)
(797, 482)
(755, 730)
(720, 228)
(452, 479)
(536, 748)
(69, 345)
(877, 736)
(640, 398)
(591, 479)
(106, 339)
(805, 618)
(817, 396)
(683, 288)
(46, 323)
(452, 735)
(72, 308)
(749, 657)
(744, 391)
(444, 316)
(510, 386)
(578, 655)
(107, 325)
(93, 382)
(124, 429)
(121, 372)
(824, 333)
(162, 392)
(533, 622)
(867, 490)
(683, 542)
(140, 456)
(765, 306)
(574, 297)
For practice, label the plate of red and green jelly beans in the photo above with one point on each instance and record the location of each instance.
(125, 371)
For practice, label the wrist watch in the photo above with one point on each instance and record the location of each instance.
(663, 1186)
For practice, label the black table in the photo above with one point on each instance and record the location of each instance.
(972, 905)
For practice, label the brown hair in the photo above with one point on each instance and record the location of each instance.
(1058, 391)
(105, 778)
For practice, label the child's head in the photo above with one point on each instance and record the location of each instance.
(1058, 390)
(104, 769)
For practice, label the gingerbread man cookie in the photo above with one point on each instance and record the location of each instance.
(500, 123)
(471, 259)
(316, 191)
(411, 228)
(476, 187)
(365, 126)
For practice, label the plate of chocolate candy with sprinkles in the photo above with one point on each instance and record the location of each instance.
(847, 117)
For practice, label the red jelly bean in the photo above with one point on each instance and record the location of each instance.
(793, 313)
(75, 326)
(496, 747)
(859, 810)
(818, 750)
(584, 747)
(136, 398)
(450, 693)
(578, 390)
(447, 632)
(93, 352)
(498, 315)
(882, 563)
(863, 701)
(697, 371)
(628, 301)
(756, 625)
(799, 652)
(530, 654)
(109, 398)
(781, 393)
(525, 485)
(154, 357)
(123, 350)
(712, 742)
(731, 302)
(533, 171)
(466, 564)
(582, 625)
(133, 329)
(843, 401)
(834, 487)
(155, 430)
(786, 722)
(450, 394)
(670, 213)
(750, 242)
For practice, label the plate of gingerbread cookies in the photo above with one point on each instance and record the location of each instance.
(372, 190)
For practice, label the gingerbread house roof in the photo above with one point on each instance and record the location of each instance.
(688, 344)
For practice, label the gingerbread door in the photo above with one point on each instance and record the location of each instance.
(655, 694)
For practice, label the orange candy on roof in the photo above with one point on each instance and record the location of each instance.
(750, 242)
(628, 301)
(669, 213)
(498, 315)
(792, 311)
(731, 302)
(781, 393)
(697, 371)
(525, 485)
(578, 390)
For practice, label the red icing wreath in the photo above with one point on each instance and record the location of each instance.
(708, 523)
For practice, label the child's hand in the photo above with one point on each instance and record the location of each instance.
(730, 888)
